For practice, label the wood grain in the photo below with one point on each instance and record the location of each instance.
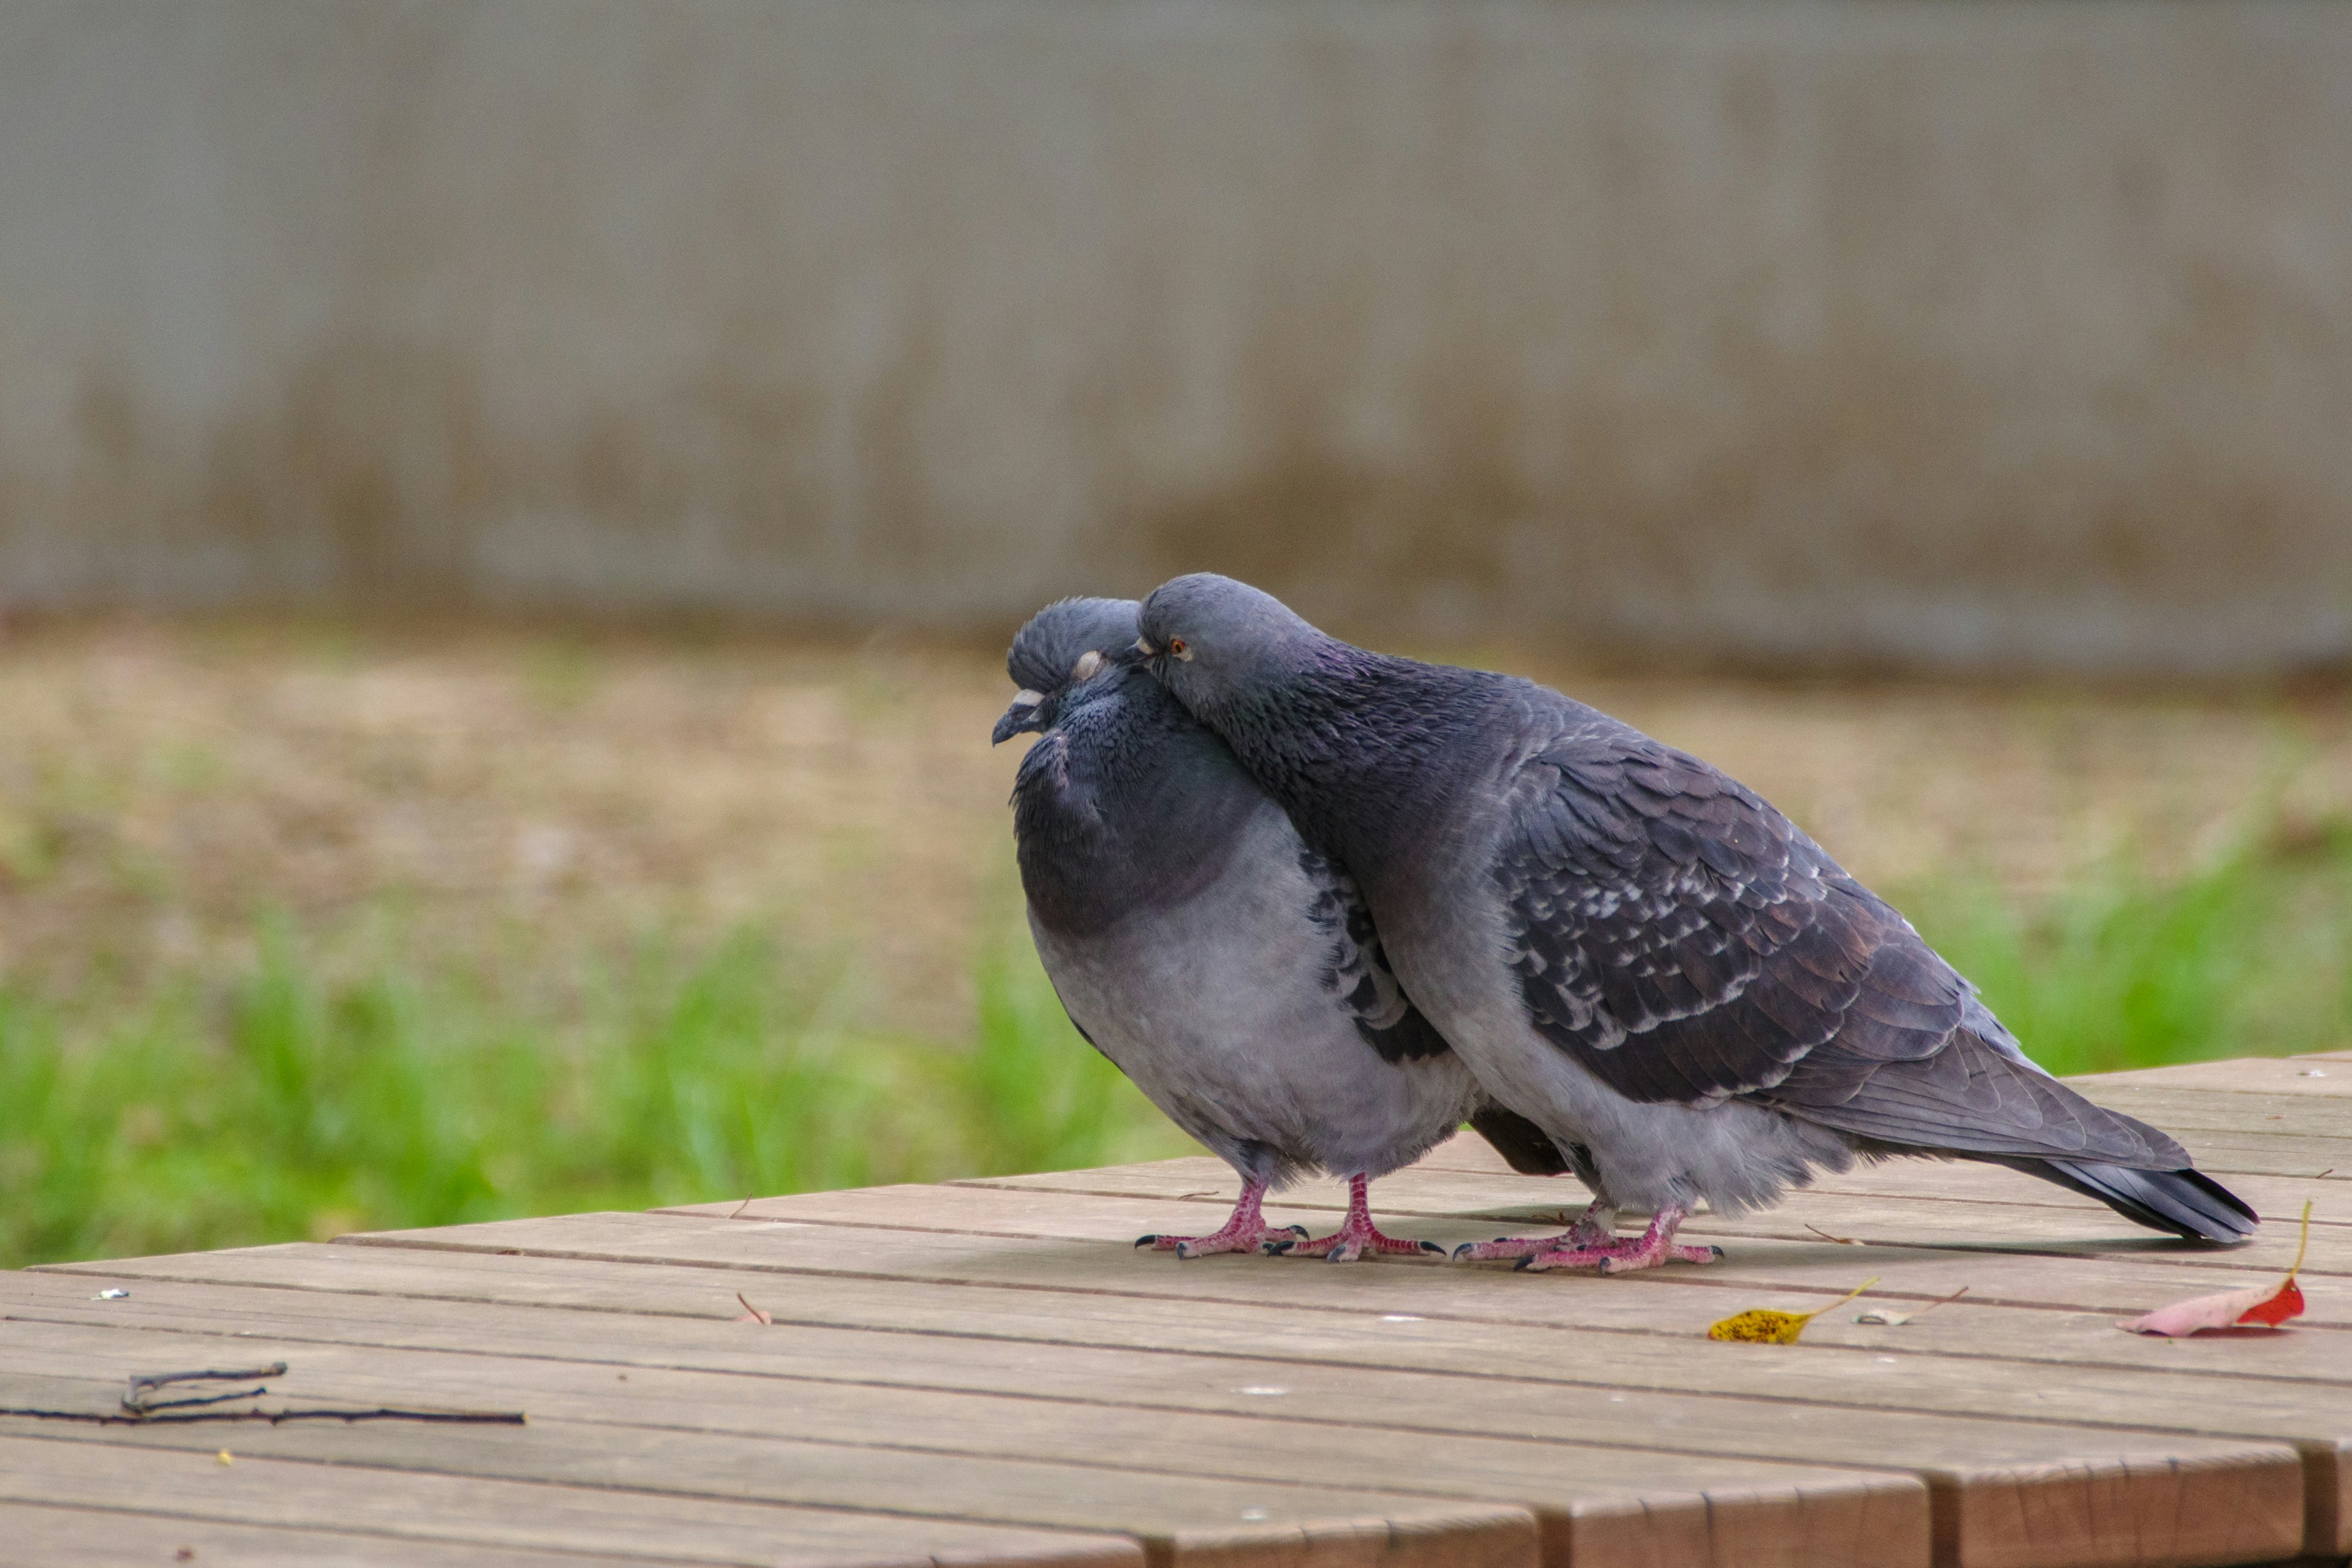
(182, 1477)
(60, 1537)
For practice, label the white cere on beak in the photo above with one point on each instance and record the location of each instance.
(1089, 665)
(1144, 645)
(1025, 698)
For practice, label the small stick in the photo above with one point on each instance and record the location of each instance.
(739, 1208)
(145, 1381)
(139, 1406)
(1825, 1236)
(752, 1314)
(277, 1418)
(1933, 1305)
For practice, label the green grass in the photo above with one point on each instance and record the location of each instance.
(2249, 955)
(285, 1104)
(291, 1107)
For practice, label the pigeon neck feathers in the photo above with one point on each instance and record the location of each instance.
(1360, 746)
(1124, 804)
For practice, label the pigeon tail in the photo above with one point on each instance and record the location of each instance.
(1524, 1146)
(2188, 1203)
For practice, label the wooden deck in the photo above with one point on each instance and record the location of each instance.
(985, 1373)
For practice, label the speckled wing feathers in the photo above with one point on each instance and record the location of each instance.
(1684, 943)
(1356, 971)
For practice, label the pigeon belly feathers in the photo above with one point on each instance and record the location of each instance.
(1226, 968)
(1633, 951)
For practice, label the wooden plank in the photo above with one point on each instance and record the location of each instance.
(2274, 1198)
(1049, 1413)
(1998, 1457)
(2032, 1309)
(2320, 1075)
(1524, 1204)
(475, 1510)
(2224, 1153)
(59, 1537)
(1431, 1377)
(1454, 1209)
(1035, 1238)
(2244, 1114)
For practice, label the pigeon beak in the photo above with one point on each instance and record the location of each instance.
(1144, 645)
(1027, 713)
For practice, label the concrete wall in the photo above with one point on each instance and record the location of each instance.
(2013, 332)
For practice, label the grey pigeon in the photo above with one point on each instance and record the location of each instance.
(1633, 950)
(1225, 967)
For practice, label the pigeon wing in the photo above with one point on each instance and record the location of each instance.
(1685, 942)
(1356, 972)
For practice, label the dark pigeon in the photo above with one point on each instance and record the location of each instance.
(1633, 950)
(1229, 970)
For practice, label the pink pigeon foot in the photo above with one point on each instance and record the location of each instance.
(1651, 1248)
(1593, 1228)
(1246, 1231)
(1356, 1235)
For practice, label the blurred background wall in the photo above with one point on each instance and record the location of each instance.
(1788, 332)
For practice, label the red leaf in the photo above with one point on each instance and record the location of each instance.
(2286, 1303)
(2269, 1305)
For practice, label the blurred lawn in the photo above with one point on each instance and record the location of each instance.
(291, 1107)
(299, 937)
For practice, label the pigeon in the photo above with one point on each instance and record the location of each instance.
(1226, 968)
(1633, 950)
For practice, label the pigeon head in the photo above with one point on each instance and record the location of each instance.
(1217, 642)
(1048, 655)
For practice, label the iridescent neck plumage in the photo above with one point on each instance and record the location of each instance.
(1351, 742)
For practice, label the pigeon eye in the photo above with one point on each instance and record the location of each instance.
(1089, 665)
(1176, 645)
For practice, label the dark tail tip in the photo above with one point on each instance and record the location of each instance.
(1526, 1147)
(2188, 1203)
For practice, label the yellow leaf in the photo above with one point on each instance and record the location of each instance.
(1763, 1326)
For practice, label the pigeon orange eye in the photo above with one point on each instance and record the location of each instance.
(1176, 645)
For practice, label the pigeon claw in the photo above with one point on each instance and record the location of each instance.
(1357, 1236)
(1261, 1238)
(1244, 1230)
(1351, 1242)
(1610, 1255)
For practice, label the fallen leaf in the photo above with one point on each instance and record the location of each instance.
(1763, 1326)
(1888, 1317)
(752, 1314)
(1825, 1236)
(2268, 1306)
